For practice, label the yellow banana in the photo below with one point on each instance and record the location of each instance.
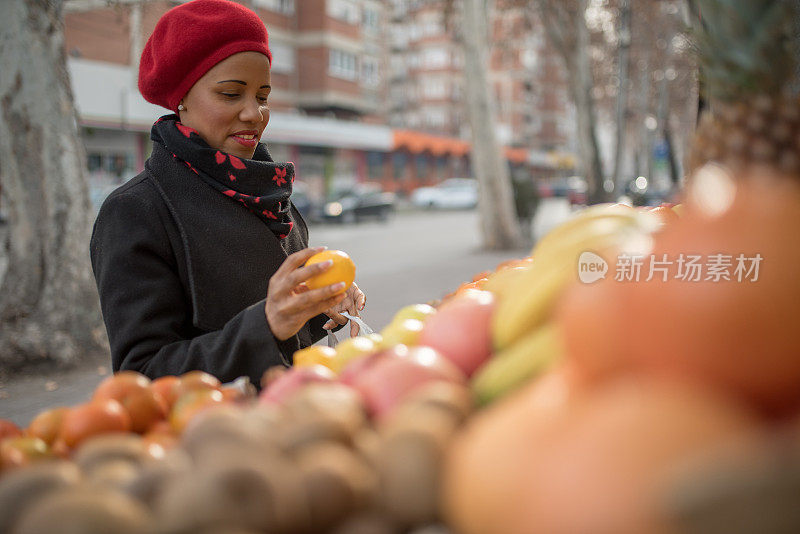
(587, 216)
(511, 368)
(504, 282)
(530, 303)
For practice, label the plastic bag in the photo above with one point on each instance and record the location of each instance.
(364, 329)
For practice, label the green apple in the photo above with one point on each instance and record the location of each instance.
(351, 349)
(405, 332)
(420, 312)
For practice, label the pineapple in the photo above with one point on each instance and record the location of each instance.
(745, 50)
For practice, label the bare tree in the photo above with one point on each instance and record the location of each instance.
(624, 47)
(49, 309)
(498, 220)
(565, 25)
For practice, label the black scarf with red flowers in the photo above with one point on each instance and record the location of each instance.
(260, 184)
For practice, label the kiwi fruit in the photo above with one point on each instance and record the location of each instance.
(85, 511)
(232, 496)
(367, 522)
(112, 447)
(114, 474)
(22, 488)
(451, 397)
(338, 403)
(409, 469)
(310, 430)
(338, 481)
(146, 487)
(226, 424)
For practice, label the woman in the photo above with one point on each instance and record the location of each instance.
(199, 259)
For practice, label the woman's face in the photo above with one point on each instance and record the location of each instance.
(228, 105)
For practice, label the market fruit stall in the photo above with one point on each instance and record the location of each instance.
(530, 399)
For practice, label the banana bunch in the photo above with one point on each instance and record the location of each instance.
(526, 297)
(526, 342)
(530, 356)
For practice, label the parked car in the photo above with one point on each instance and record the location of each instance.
(308, 208)
(573, 188)
(453, 193)
(642, 192)
(358, 202)
(577, 190)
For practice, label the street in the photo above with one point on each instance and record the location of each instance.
(415, 257)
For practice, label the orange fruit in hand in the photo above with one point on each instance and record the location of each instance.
(342, 270)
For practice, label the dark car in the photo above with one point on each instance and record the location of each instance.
(302, 200)
(642, 192)
(359, 202)
(573, 188)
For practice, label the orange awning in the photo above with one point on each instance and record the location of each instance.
(516, 155)
(418, 142)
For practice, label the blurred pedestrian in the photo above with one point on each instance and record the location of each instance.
(199, 259)
(526, 200)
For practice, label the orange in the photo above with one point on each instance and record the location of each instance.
(47, 424)
(342, 270)
(99, 416)
(134, 392)
(315, 355)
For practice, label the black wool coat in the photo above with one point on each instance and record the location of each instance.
(182, 272)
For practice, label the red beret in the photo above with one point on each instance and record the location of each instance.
(190, 39)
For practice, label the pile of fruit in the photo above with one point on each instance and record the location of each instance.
(639, 400)
(188, 454)
(350, 439)
(675, 406)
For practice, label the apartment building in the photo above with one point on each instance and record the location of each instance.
(427, 80)
(329, 87)
(362, 90)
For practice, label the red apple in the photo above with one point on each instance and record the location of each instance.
(8, 429)
(395, 374)
(356, 368)
(293, 379)
(460, 330)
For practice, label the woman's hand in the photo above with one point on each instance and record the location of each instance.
(289, 304)
(353, 302)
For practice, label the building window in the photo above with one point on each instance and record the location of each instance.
(434, 88)
(344, 10)
(370, 73)
(343, 65)
(283, 57)
(435, 117)
(399, 165)
(371, 20)
(284, 7)
(435, 58)
(375, 165)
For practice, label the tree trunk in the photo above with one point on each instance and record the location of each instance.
(622, 93)
(48, 302)
(666, 132)
(796, 41)
(499, 224)
(582, 83)
(645, 149)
